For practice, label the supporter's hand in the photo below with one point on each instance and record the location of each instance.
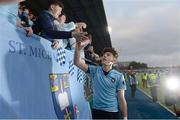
(80, 36)
(82, 44)
(18, 23)
(81, 25)
(79, 46)
(55, 44)
(29, 31)
(96, 56)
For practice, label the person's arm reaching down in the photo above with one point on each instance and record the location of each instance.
(122, 104)
(47, 26)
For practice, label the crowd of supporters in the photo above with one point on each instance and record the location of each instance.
(26, 17)
(51, 24)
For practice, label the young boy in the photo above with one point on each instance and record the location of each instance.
(108, 85)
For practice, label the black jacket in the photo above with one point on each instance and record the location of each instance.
(45, 27)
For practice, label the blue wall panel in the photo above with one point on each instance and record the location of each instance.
(25, 87)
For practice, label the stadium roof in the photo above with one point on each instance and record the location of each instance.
(89, 11)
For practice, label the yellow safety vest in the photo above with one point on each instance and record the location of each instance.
(145, 77)
(153, 77)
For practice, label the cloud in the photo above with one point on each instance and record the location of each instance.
(151, 32)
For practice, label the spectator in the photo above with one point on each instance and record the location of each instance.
(24, 20)
(31, 19)
(20, 10)
(25, 16)
(9, 8)
(133, 84)
(144, 80)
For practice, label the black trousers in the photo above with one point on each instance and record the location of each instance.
(99, 114)
(144, 83)
(133, 90)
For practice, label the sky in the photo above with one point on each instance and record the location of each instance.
(145, 30)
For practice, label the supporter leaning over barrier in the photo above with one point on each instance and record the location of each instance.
(24, 17)
(61, 25)
(45, 27)
(108, 85)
